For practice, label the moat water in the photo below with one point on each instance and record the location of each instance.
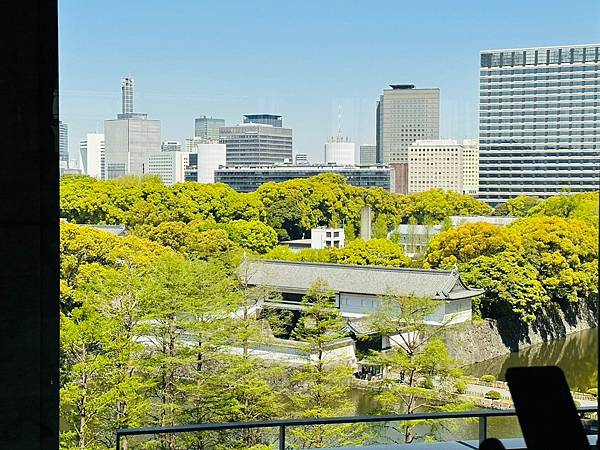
(575, 354)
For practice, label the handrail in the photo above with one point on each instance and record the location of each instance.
(482, 415)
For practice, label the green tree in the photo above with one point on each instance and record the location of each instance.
(582, 206)
(520, 206)
(320, 388)
(378, 252)
(458, 245)
(427, 377)
(565, 254)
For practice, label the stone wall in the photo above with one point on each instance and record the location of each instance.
(478, 341)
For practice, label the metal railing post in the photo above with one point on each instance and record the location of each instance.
(118, 440)
(281, 437)
(482, 428)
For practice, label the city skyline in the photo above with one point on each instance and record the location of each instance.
(360, 54)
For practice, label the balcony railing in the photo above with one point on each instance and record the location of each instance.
(282, 425)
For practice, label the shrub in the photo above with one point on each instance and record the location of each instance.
(427, 384)
(488, 378)
(493, 395)
(592, 391)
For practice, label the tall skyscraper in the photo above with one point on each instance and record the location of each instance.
(63, 144)
(256, 144)
(404, 115)
(130, 139)
(267, 119)
(539, 121)
(208, 127)
(127, 95)
(367, 154)
(92, 157)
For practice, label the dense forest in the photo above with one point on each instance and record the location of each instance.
(147, 319)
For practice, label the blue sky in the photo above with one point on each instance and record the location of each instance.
(302, 59)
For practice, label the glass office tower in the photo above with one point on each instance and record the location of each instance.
(539, 121)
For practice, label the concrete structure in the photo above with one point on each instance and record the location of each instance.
(539, 129)
(91, 151)
(127, 95)
(321, 237)
(206, 158)
(414, 238)
(130, 139)
(253, 144)
(358, 288)
(248, 179)
(365, 223)
(470, 172)
(69, 171)
(367, 155)
(301, 159)
(442, 164)
(63, 144)
(324, 237)
(340, 151)
(404, 115)
(265, 119)
(169, 166)
(170, 146)
(208, 127)
(400, 177)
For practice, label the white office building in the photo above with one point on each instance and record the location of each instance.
(324, 237)
(206, 157)
(171, 146)
(91, 153)
(443, 164)
(168, 166)
(339, 150)
(252, 144)
(130, 139)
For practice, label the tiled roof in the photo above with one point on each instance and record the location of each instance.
(369, 280)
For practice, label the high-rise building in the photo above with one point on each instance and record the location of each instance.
(248, 179)
(130, 139)
(368, 154)
(170, 146)
(206, 157)
(470, 151)
(442, 164)
(255, 144)
(301, 159)
(127, 95)
(63, 144)
(208, 127)
(168, 166)
(404, 115)
(91, 153)
(539, 121)
(339, 150)
(266, 119)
